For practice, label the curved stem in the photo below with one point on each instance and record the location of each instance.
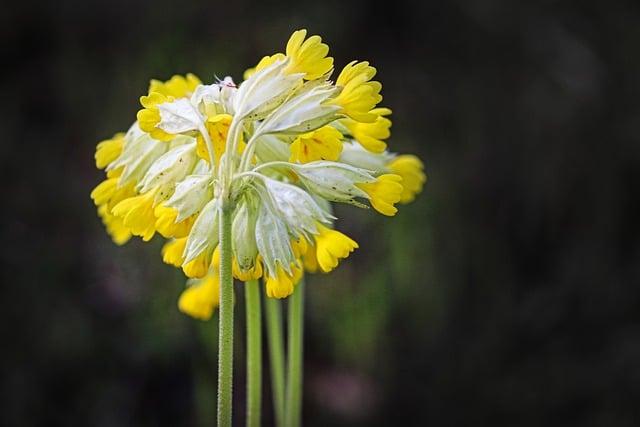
(271, 164)
(225, 328)
(248, 152)
(273, 311)
(254, 352)
(294, 360)
(207, 140)
(231, 147)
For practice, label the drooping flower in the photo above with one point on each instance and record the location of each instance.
(277, 148)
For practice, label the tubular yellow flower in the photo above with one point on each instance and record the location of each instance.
(282, 285)
(330, 247)
(218, 128)
(384, 193)
(109, 150)
(371, 135)
(359, 95)
(172, 251)
(264, 62)
(137, 214)
(322, 144)
(197, 267)
(166, 223)
(244, 276)
(201, 296)
(310, 259)
(177, 86)
(308, 56)
(149, 116)
(116, 229)
(411, 169)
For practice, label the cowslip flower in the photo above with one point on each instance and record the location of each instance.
(298, 141)
(271, 153)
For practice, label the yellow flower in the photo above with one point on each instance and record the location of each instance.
(322, 144)
(264, 62)
(371, 135)
(359, 95)
(177, 86)
(172, 251)
(166, 223)
(137, 214)
(218, 128)
(149, 116)
(308, 56)
(411, 169)
(282, 285)
(201, 296)
(109, 150)
(116, 229)
(310, 259)
(199, 266)
(330, 247)
(244, 276)
(384, 193)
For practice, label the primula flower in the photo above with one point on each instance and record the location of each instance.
(276, 150)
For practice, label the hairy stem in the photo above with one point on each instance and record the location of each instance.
(225, 330)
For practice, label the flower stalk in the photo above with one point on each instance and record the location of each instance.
(273, 311)
(225, 328)
(254, 353)
(295, 324)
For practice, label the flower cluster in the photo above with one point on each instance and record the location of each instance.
(277, 149)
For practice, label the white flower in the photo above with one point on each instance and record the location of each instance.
(245, 248)
(170, 167)
(190, 195)
(264, 91)
(296, 207)
(334, 181)
(204, 234)
(303, 112)
(272, 239)
(179, 116)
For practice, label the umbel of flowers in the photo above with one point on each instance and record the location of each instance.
(263, 160)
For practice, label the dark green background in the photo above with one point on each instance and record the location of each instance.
(506, 295)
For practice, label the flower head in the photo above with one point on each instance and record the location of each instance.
(275, 151)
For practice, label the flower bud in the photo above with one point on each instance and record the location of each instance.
(170, 167)
(245, 248)
(334, 181)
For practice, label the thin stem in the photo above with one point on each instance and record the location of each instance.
(273, 311)
(212, 155)
(231, 147)
(254, 353)
(225, 330)
(271, 164)
(248, 152)
(294, 356)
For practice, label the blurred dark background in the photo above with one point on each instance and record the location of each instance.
(506, 295)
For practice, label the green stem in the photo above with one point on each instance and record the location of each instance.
(225, 330)
(254, 352)
(294, 359)
(276, 356)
